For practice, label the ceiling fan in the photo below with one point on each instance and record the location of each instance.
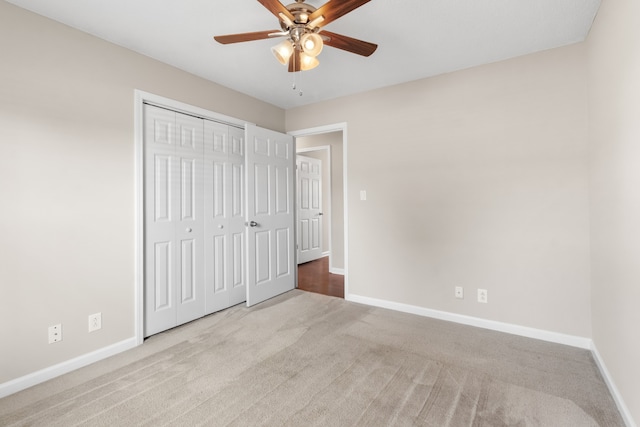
(303, 24)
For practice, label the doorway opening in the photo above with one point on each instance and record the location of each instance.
(328, 274)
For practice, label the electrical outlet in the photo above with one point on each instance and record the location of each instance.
(95, 322)
(482, 296)
(55, 333)
(459, 292)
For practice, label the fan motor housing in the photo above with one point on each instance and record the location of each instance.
(301, 12)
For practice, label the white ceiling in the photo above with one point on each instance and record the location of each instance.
(416, 38)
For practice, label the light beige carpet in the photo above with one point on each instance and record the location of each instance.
(304, 359)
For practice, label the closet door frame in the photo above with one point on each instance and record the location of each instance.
(141, 98)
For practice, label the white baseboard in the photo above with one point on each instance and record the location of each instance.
(46, 374)
(622, 407)
(509, 328)
(332, 270)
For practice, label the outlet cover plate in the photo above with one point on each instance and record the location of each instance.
(95, 322)
(55, 333)
(482, 296)
(459, 292)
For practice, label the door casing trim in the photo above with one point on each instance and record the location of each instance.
(337, 127)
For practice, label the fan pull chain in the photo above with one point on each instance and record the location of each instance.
(294, 67)
(294, 86)
(300, 93)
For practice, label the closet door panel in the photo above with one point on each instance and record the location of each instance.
(159, 129)
(161, 186)
(218, 263)
(189, 273)
(216, 212)
(162, 281)
(237, 254)
(190, 223)
(161, 174)
(237, 213)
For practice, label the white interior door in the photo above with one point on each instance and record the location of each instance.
(190, 220)
(270, 214)
(174, 285)
(161, 188)
(237, 212)
(225, 231)
(309, 196)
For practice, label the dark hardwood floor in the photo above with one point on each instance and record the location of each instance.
(314, 276)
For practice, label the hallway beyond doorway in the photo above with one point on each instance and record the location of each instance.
(314, 276)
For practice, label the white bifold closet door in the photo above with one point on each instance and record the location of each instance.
(174, 224)
(225, 230)
(205, 187)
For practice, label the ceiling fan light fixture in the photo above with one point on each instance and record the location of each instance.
(283, 51)
(301, 23)
(308, 62)
(311, 44)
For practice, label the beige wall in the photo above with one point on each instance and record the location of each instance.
(334, 140)
(67, 183)
(478, 179)
(614, 136)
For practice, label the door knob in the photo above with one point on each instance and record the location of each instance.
(253, 224)
(188, 230)
(220, 226)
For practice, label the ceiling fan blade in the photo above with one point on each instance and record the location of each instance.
(348, 43)
(245, 37)
(277, 8)
(333, 10)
